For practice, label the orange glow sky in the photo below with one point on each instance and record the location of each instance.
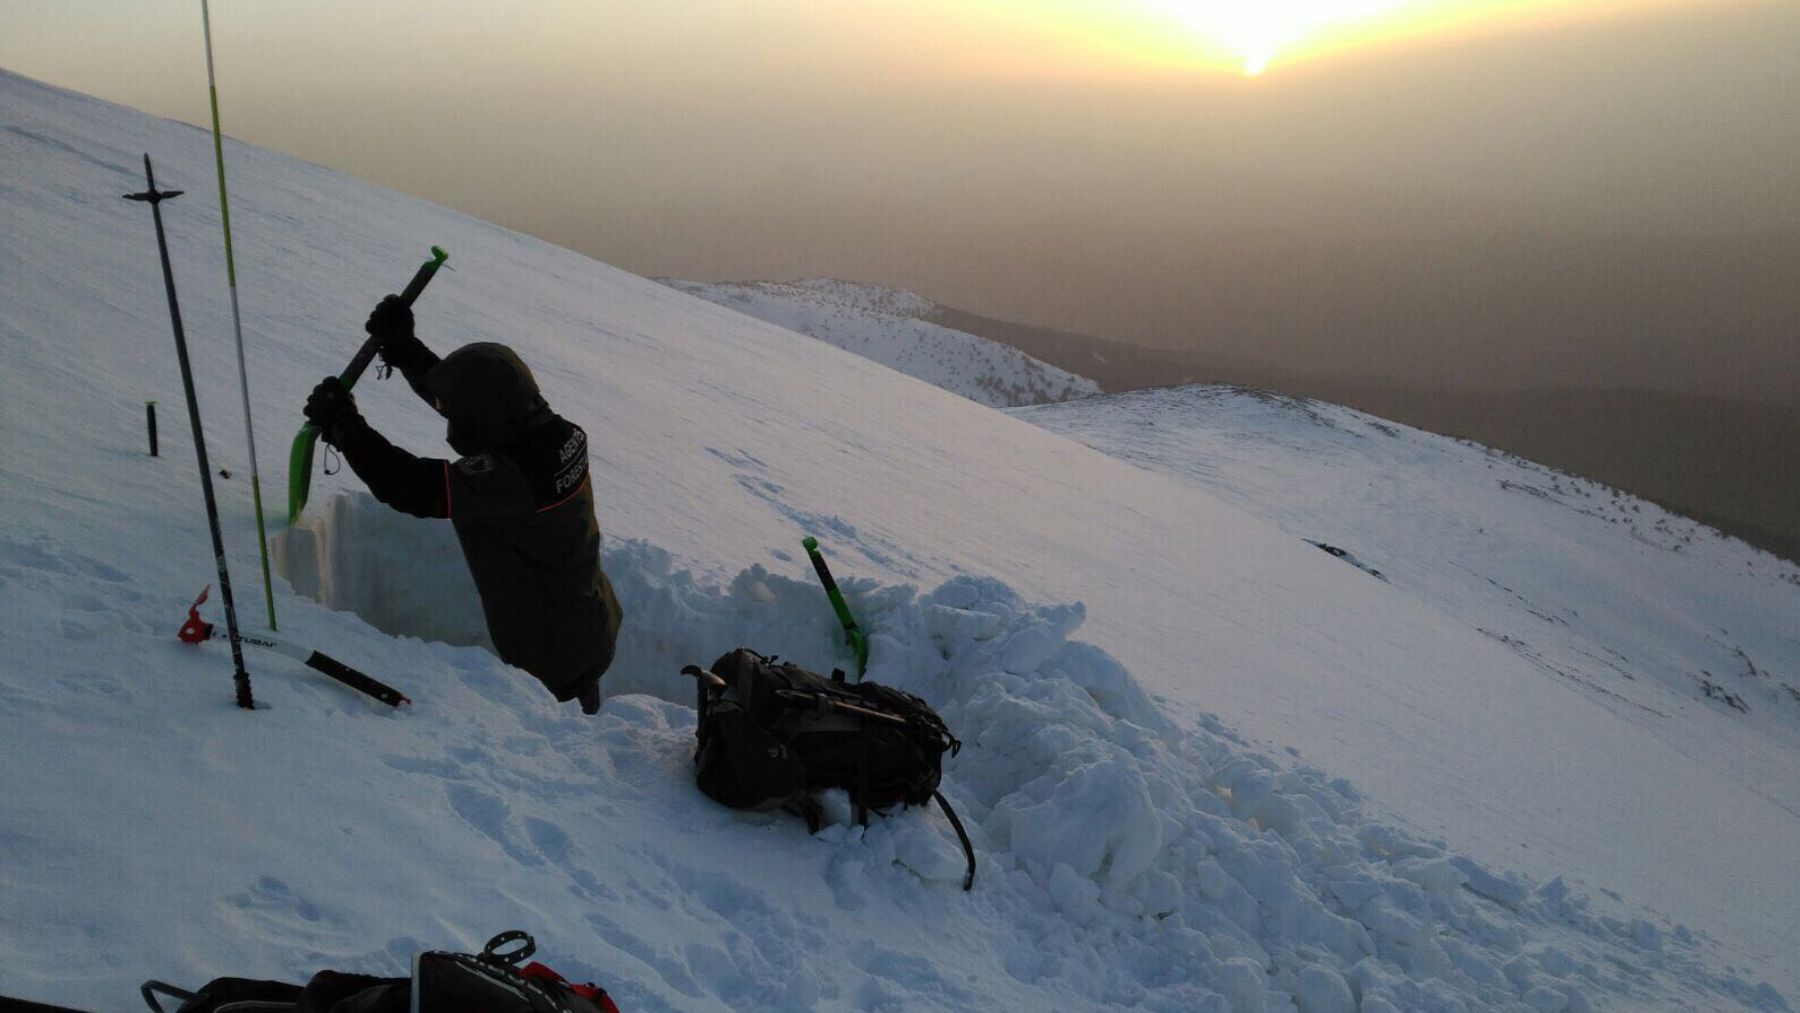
(1250, 38)
(1078, 163)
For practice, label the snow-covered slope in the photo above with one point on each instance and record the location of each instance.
(1676, 625)
(1239, 775)
(888, 326)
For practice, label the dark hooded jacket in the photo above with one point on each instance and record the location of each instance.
(522, 503)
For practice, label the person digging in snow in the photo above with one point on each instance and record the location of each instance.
(519, 497)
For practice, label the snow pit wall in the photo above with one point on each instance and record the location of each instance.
(405, 576)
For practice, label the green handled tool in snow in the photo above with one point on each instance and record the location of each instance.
(300, 457)
(859, 642)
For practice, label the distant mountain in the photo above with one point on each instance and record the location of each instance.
(1726, 462)
(1118, 365)
(1540, 561)
(899, 330)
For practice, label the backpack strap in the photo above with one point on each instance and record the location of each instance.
(150, 988)
(227, 995)
(862, 774)
(961, 835)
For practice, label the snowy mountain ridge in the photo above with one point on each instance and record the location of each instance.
(1257, 780)
(888, 325)
(1557, 568)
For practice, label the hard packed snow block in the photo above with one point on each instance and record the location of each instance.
(403, 575)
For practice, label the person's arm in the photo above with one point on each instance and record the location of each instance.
(416, 485)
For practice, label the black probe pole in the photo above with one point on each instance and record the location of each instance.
(154, 198)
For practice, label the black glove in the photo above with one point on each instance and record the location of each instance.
(331, 408)
(392, 321)
(392, 325)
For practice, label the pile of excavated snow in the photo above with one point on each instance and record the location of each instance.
(1132, 862)
(884, 325)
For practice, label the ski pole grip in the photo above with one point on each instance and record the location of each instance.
(356, 680)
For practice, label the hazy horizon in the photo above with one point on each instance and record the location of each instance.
(1512, 194)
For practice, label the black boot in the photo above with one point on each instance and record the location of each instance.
(589, 698)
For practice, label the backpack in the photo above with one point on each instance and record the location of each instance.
(772, 734)
(441, 982)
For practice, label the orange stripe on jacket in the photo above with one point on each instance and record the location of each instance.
(570, 496)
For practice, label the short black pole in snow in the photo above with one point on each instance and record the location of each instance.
(154, 198)
(150, 419)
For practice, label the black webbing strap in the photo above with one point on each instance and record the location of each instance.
(961, 835)
(862, 777)
(151, 987)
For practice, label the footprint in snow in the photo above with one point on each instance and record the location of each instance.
(50, 556)
(489, 815)
(275, 910)
(554, 844)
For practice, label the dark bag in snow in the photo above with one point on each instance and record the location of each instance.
(771, 734)
(10, 1005)
(228, 995)
(441, 982)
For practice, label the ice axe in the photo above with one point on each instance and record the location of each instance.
(300, 458)
(853, 634)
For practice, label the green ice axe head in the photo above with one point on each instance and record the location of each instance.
(417, 285)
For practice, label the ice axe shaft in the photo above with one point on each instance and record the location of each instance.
(300, 457)
(859, 642)
(366, 354)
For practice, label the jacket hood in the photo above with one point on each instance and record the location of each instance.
(489, 395)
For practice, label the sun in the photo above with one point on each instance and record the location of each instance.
(1260, 32)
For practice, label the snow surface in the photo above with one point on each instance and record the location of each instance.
(1207, 766)
(887, 325)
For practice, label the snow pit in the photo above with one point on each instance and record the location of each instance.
(406, 577)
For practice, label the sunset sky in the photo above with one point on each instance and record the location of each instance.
(1139, 168)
